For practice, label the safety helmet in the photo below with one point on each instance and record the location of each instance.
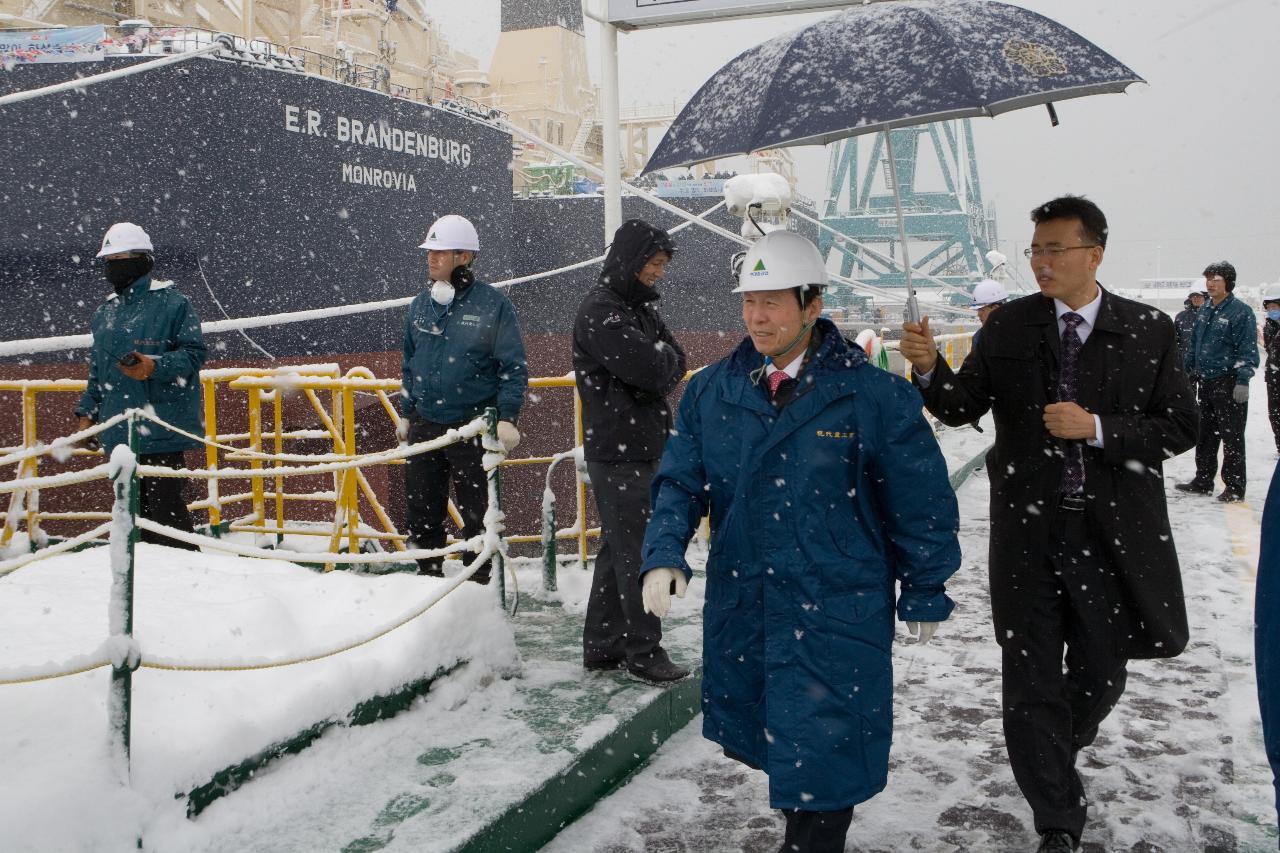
(1271, 293)
(125, 237)
(781, 260)
(452, 232)
(988, 292)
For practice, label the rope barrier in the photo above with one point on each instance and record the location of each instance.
(16, 563)
(475, 543)
(67, 441)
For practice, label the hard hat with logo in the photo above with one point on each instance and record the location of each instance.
(988, 292)
(1271, 292)
(125, 237)
(780, 260)
(452, 232)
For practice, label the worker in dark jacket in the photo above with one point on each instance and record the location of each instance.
(1222, 359)
(1184, 324)
(625, 363)
(1271, 343)
(147, 353)
(830, 513)
(462, 354)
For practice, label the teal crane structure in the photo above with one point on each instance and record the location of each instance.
(949, 227)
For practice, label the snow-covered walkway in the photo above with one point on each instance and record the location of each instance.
(1178, 767)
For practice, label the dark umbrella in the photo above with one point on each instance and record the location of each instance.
(884, 65)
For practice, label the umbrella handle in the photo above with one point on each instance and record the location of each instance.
(912, 314)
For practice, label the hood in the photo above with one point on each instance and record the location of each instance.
(633, 244)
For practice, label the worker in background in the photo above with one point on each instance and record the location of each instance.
(147, 353)
(462, 354)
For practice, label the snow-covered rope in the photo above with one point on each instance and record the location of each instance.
(58, 444)
(70, 478)
(12, 565)
(475, 543)
(221, 42)
(471, 430)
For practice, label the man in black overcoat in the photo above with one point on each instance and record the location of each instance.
(1089, 399)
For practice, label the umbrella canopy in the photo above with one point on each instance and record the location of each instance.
(884, 65)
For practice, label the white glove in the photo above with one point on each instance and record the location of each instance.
(1240, 393)
(656, 592)
(924, 630)
(508, 435)
(402, 431)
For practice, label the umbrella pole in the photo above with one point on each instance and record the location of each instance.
(913, 308)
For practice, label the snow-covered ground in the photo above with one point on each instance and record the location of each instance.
(1178, 767)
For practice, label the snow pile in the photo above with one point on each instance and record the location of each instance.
(59, 791)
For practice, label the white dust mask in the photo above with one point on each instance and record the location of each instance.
(441, 292)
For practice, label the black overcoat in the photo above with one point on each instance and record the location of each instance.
(1131, 377)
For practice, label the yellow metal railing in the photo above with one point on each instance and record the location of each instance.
(267, 494)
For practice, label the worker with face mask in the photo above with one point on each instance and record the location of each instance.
(462, 354)
(147, 354)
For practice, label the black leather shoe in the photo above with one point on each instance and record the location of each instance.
(1194, 488)
(1056, 841)
(1230, 497)
(603, 664)
(430, 568)
(481, 576)
(656, 668)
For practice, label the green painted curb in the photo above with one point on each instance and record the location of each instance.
(957, 479)
(595, 774)
(381, 707)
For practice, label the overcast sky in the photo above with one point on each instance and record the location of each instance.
(1187, 169)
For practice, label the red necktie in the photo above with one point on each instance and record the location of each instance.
(775, 379)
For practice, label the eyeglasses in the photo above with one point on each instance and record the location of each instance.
(1053, 251)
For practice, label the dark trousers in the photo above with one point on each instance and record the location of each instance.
(816, 832)
(426, 489)
(1049, 714)
(1221, 422)
(1273, 404)
(617, 627)
(161, 499)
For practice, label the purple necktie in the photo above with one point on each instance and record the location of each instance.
(1068, 378)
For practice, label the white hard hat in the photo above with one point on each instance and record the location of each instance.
(988, 292)
(452, 232)
(1271, 292)
(780, 260)
(125, 237)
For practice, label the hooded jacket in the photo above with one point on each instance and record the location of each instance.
(820, 513)
(156, 320)
(625, 360)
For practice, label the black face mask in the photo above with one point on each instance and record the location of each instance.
(122, 272)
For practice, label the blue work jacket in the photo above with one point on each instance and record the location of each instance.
(154, 319)
(1266, 629)
(816, 511)
(1224, 341)
(461, 359)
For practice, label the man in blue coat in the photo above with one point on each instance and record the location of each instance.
(1266, 634)
(462, 354)
(147, 352)
(825, 487)
(1221, 360)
